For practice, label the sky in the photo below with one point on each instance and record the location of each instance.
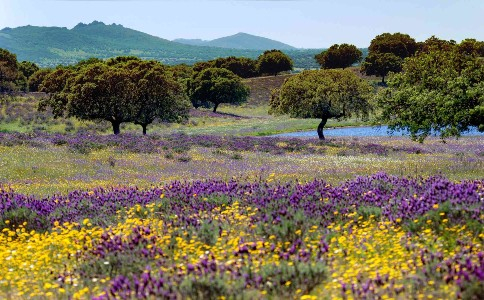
(300, 23)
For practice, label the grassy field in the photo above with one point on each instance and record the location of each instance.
(21, 115)
(43, 168)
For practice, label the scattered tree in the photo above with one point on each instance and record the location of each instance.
(240, 66)
(217, 85)
(386, 54)
(402, 45)
(322, 94)
(440, 90)
(339, 56)
(273, 62)
(8, 71)
(380, 64)
(158, 95)
(119, 90)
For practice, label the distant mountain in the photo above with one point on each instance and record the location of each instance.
(192, 42)
(51, 46)
(239, 41)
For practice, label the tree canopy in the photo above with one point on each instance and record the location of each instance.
(386, 54)
(36, 79)
(27, 68)
(441, 90)
(339, 56)
(8, 71)
(322, 94)
(217, 85)
(119, 90)
(273, 62)
(240, 66)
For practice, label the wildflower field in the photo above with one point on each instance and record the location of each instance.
(212, 217)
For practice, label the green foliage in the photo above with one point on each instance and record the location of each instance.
(299, 275)
(21, 82)
(240, 66)
(93, 60)
(208, 232)
(286, 227)
(386, 54)
(107, 260)
(27, 68)
(438, 91)
(402, 45)
(322, 94)
(339, 56)
(473, 290)
(182, 73)
(273, 62)
(124, 89)
(380, 64)
(8, 71)
(434, 43)
(55, 84)
(36, 79)
(210, 287)
(217, 85)
(23, 217)
(367, 211)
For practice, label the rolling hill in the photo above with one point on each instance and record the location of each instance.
(51, 46)
(239, 41)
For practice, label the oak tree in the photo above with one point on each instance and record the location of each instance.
(273, 62)
(339, 56)
(216, 86)
(8, 71)
(322, 94)
(387, 52)
(439, 91)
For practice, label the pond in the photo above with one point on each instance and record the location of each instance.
(361, 131)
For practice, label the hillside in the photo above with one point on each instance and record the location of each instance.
(239, 41)
(261, 87)
(192, 42)
(51, 46)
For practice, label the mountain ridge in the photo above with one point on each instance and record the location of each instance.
(49, 46)
(239, 40)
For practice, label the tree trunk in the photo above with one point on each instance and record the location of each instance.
(144, 128)
(383, 79)
(215, 107)
(116, 129)
(320, 128)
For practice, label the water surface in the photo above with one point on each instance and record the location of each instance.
(362, 131)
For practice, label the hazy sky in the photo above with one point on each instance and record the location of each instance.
(300, 23)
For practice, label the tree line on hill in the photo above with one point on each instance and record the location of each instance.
(26, 76)
(435, 85)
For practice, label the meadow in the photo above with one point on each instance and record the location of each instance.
(211, 209)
